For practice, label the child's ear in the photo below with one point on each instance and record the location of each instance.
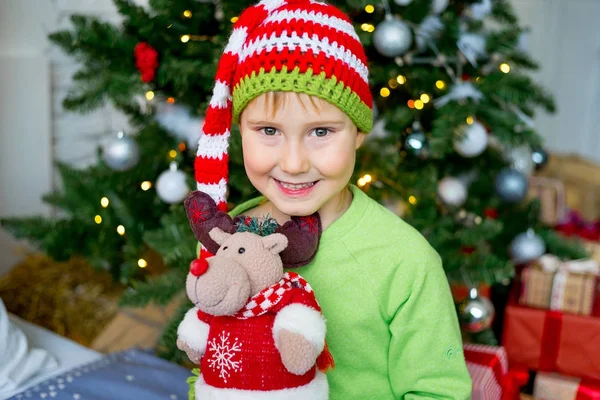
(360, 137)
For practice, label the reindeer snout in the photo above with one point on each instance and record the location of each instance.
(199, 266)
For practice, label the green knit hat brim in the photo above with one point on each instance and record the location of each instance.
(328, 89)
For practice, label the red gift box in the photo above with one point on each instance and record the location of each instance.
(552, 386)
(492, 380)
(550, 341)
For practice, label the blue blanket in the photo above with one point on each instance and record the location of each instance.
(131, 374)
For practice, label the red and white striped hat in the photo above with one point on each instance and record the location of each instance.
(303, 46)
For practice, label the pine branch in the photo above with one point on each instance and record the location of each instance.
(167, 347)
(159, 290)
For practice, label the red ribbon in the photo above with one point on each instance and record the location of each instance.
(588, 391)
(487, 359)
(550, 341)
(513, 381)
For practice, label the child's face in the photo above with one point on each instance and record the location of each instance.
(301, 154)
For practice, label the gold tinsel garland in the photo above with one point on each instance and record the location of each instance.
(69, 298)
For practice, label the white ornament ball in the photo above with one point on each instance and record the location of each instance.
(439, 6)
(521, 159)
(171, 185)
(403, 2)
(473, 142)
(392, 37)
(122, 153)
(452, 191)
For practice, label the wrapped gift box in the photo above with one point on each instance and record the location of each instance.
(551, 193)
(552, 386)
(551, 341)
(581, 179)
(492, 380)
(568, 286)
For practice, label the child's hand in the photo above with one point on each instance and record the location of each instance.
(297, 353)
(193, 355)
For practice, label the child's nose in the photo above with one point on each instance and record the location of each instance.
(294, 160)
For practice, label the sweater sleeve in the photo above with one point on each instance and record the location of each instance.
(425, 355)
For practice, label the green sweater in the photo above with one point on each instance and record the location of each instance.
(391, 322)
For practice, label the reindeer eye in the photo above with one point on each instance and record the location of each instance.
(241, 250)
(225, 248)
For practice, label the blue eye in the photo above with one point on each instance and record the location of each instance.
(320, 132)
(269, 131)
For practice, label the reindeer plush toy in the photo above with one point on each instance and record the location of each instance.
(256, 331)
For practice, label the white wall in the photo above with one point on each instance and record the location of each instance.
(25, 148)
(565, 40)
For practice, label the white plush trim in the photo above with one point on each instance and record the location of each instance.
(317, 389)
(193, 331)
(304, 320)
(215, 191)
(271, 5)
(221, 94)
(314, 17)
(213, 146)
(306, 41)
(236, 40)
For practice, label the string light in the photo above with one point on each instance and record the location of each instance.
(173, 153)
(419, 104)
(478, 79)
(384, 92)
(425, 98)
(121, 230)
(369, 8)
(187, 14)
(411, 104)
(401, 79)
(364, 180)
(142, 263)
(367, 27)
(171, 100)
(146, 185)
(185, 38)
(478, 220)
(149, 95)
(470, 120)
(504, 67)
(412, 200)
(393, 83)
(440, 84)
(169, 26)
(104, 202)
(234, 19)
(182, 146)
(98, 219)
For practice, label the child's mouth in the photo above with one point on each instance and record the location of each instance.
(296, 189)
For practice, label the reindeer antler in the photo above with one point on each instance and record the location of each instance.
(303, 233)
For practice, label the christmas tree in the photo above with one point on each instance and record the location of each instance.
(451, 151)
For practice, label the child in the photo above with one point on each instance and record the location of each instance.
(294, 76)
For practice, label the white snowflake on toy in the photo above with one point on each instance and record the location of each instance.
(223, 356)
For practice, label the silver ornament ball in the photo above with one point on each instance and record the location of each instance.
(171, 185)
(539, 157)
(511, 185)
(392, 37)
(403, 2)
(526, 247)
(417, 145)
(473, 141)
(122, 153)
(475, 313)
(452, 191)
